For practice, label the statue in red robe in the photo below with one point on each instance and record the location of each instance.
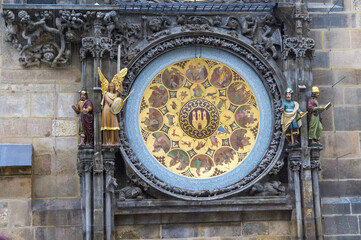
(85, 109)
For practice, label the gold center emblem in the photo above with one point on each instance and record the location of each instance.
(199, 118)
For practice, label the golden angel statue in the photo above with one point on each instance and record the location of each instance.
(111, 106)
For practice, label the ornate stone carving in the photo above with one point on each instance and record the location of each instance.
(267, 38)
(315, 157)
(34, 38)
(85, 160)
(130, 192)
(137, 181)
(98, 163)
(294, 158)
(274, 148)
(277, 167)
(295, 165)
(274, 188)
(45, 36)
(298, 47)
(97, 46)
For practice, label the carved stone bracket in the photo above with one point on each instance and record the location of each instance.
(295, 158)
(315, 157)
(298, 47)
(277, 167)
(269, 77)
(109, 166)
(85, 160)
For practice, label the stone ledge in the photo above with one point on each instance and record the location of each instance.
(177, 206)
(203, 217)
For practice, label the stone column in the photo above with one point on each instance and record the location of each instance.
(93, 48)
(85, 169)
(315, 167)
(295, 163)
(110, 185)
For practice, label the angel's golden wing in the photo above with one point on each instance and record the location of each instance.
(105, 83)
(118, 79)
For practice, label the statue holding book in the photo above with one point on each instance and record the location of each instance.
(314, 118)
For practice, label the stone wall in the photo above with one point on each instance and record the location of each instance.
(45, 203)
(269, 225)
(337, 71)
(36, 109)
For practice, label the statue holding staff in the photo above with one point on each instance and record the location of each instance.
(85, 109)
(291, 118)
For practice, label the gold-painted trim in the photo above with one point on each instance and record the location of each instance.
(109, 128)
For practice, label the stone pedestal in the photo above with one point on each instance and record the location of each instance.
(295, 163)
(110, 185)
(85, 169)
(315, 167)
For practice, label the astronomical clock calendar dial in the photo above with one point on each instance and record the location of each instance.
(199, 118)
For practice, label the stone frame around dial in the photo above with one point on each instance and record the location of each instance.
(271, 79)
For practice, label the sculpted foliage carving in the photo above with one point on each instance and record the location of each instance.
(46, 36)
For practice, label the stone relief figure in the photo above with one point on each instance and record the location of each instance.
(314, 116)
(274, 188)
(111, 105)
(130, 192)
(291, 118)
(249, 26)
(85, 109)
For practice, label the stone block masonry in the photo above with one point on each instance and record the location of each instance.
(36, 109)
(341, 216)
(339, 76)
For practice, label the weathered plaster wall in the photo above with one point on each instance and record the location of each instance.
(36, 109)
(337, 70)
